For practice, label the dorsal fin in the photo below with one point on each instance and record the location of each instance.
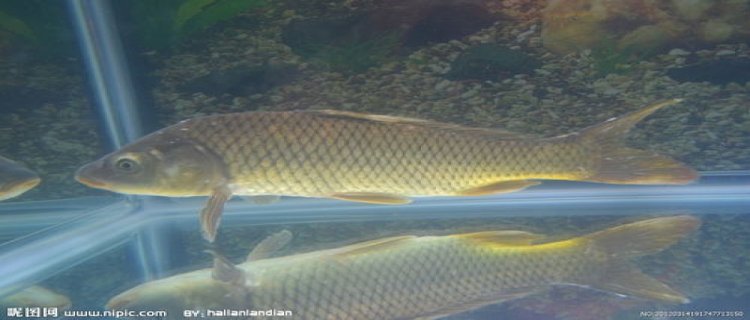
(509, 237)
(373, 246)
(487, 132)
(269, 245)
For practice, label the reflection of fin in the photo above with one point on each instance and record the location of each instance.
(498, 187)
(637, 239)
(622, 165)
(225, 271)
(371, 197)
(264, 199)
(484, 132)
(240, 281)
(374, 245)
(270, 245)
(211, 213)
(509, 237)
(476, 304)
(624, 278)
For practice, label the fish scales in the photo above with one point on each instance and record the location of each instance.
(418, 278)
(313, 154)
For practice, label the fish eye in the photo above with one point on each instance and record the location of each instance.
(127, 165)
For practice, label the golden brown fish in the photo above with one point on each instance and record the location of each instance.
(410, 277)
(366, 158)
(35, 296)
(15, 179)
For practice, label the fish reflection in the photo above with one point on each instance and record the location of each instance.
(410, 277)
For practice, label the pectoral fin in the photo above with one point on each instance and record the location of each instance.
(498, 187)
(211, 213)
(371, 197)
(270, 245)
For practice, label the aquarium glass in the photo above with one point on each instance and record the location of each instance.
(455, 119)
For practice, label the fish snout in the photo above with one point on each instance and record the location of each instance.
(88, 173)
(120, 301)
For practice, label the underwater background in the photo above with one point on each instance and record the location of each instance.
(542, 67)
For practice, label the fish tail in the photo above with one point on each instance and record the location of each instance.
(645, 237)
(618, 164)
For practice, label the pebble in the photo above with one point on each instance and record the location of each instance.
(678, 52)
(725, 52)
(442, 85)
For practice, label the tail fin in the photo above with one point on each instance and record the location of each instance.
(621, 165)
(636, 239)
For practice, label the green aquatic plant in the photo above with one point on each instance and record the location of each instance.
(15, 26)
(38, 28)
(197, 15)
(164, 23)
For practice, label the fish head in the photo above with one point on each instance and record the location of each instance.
(160, 164)
(15, 179)
(190, 291)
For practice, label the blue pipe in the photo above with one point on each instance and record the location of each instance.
(107, 69)
(116, 103)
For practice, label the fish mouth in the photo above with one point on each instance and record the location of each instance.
(85, 176)
(91, 182)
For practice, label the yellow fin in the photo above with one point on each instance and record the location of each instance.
(371, 197)
(618, 164)
(636, 239)
(498, 187)
(372, 246)
(210, 216)
(509, 237)
(487, 132)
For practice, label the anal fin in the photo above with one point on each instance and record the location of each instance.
(371, 197)
(210, 216)
(498, 187)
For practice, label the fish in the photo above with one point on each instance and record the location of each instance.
(36, 296)
(15, 179)
(417, 277)
(366, 158)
